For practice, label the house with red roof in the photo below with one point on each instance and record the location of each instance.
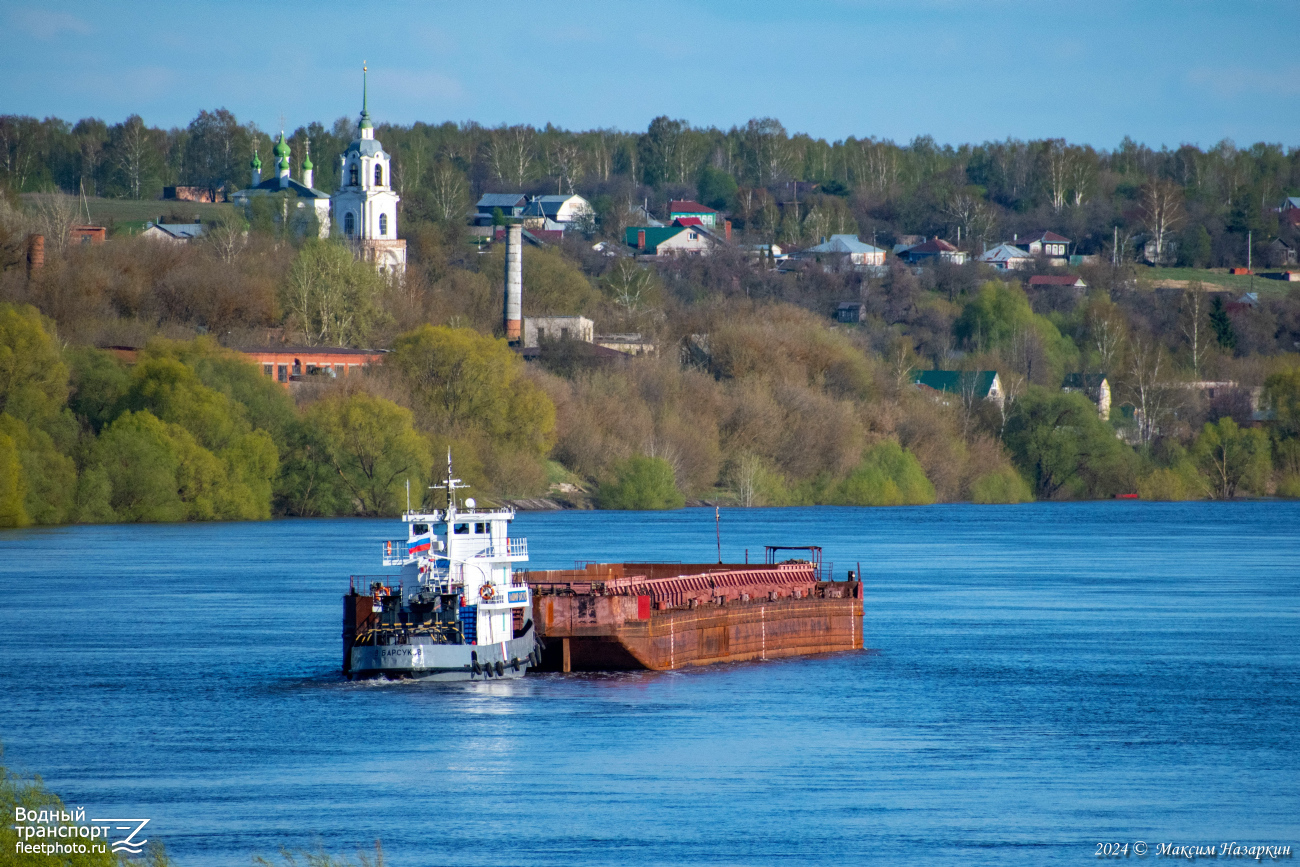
(679, 208)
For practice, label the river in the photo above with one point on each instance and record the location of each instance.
(1042, 678)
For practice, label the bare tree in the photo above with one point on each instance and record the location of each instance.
(1194, 325)
(1106, 331)
(630, 284)
(19, 147)
(412, 161)
(1161, 206)
(133, 152)
(1082, 176)
(510, 154)
(56, 214)
(1154, 393)
(448, 191)
(566, 161)
(972, 214)
(1059, 164)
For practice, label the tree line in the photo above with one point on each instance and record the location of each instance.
(1187, 206)
(754, 396)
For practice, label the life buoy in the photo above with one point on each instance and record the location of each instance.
(388, 548)
(486, 592)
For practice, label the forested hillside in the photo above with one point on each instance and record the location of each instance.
(755, 395)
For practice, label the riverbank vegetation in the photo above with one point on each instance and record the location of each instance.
(754, 395)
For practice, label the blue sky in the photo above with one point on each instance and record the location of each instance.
(1094, 71)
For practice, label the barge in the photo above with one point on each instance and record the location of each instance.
(664, 616)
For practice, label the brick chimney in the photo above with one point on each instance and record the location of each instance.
(35, 253)
(726, 227)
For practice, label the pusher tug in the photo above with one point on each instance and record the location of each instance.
(455, 611)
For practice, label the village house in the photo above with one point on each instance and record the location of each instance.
(175, 233)
(969, 385)
(844, 249)
(510, 205)
(674, 240)
(1290, 210)
(679, 208)
(556, 213)
(935, 248)
(1006, 257)
(1047, 244)
(1279, 254)
(850, 311)
(1094, 386)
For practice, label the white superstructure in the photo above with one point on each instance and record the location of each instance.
(466, 552)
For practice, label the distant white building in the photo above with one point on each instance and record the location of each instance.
(559, 210)
(539, 328)
(365, 205)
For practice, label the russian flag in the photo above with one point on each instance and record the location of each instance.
(420, 546)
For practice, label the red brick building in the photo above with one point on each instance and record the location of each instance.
(286, 364)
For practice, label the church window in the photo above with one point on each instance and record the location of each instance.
(379, 175)
(349, 225)
(383, 225)
(352, 175)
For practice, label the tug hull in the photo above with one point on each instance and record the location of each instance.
(443, 661)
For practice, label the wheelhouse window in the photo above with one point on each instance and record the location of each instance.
(461, 529)
(383, 225)
(419, 529)
(480, 529)
(379, 175)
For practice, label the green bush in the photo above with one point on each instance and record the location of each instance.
(1171, 484)
(1289, 486)
(1000, 487)
(889, 475)
(641, 483)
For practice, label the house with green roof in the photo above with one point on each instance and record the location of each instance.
(674, 240)
(967, 384)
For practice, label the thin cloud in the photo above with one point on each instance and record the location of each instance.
(48, 25)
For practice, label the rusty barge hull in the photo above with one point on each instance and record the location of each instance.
(663, 617)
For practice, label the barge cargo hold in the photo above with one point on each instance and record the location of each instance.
(660, 616)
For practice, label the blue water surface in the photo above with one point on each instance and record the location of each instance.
(1043, 678)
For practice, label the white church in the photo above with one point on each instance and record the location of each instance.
(365, 206)
(363, 211)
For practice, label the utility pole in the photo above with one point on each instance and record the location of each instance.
(1114, 250)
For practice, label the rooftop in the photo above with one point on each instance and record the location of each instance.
(686, 206)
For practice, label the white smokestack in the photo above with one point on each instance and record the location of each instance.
(514, 281)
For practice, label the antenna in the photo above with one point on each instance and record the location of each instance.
(408, 494)
(450, 485)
